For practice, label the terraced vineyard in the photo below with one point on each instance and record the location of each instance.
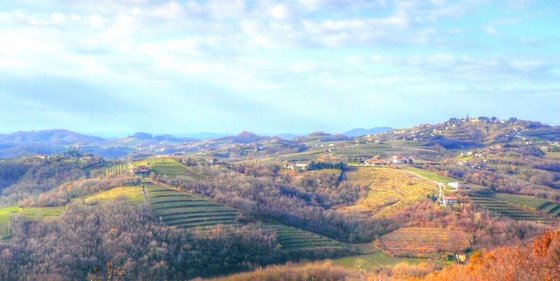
(132, 194)
(393, 188)
(362, 176)
(422, 241)
(515, 207)
(187, 211)
(293, 239)
(164, 166)
(184, 210)
(530, 202)
(118, 169)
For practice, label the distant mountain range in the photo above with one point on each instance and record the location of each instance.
(452, 134)
(53, 137)
(364, 132)
(160, 138)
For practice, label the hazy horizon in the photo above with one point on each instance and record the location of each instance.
(232, 133)
(111, 68)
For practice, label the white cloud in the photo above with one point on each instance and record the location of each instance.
(280, 12)
(274, 52)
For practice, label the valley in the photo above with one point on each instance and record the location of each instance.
(394, 205)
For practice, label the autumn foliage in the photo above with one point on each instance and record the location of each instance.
(539, 261)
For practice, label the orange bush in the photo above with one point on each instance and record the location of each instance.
(541, 261)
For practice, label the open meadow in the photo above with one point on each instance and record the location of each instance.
(133, 194)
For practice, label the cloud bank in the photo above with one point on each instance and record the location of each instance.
(115, 67)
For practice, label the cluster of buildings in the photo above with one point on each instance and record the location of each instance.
(141, 171)
(297, 166)
(395, 160)
(551, 147)
(445, 200)
(475, 159)
(426, 131)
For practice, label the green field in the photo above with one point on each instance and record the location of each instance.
(301, 156)
(374, 261)
(422, 241)
(5, 219)
(522, 208)
(184, 210)
(132, 194)
(7, 213)
(165, 166)
(431, 175)
(293, 239)
(42, 212)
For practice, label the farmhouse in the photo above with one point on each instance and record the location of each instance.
(399, 159)
(448, 201)
(375, 162)
(211, 160)
(142, 171)
(302, 166)
(297, 166)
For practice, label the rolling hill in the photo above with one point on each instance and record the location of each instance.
(189, 211)
(364, 132)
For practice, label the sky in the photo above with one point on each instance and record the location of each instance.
(111, 68)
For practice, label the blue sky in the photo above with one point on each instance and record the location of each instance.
(115, 67)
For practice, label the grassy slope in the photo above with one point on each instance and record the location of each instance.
(431, 175)
(373, 261)
(167, 167)
(132, 194)
(7, 213)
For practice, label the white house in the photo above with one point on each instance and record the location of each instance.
(399, 160)
(302, 166)
(454, 184)
(448, 201)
